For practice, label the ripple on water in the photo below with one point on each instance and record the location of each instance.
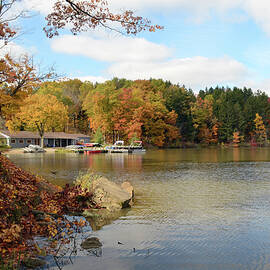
(206, 209)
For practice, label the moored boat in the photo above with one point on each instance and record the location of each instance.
(119, 147)
(136, 147)
(33, 149)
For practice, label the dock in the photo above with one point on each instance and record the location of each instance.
(88, 151)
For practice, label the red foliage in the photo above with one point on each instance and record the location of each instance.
(22, 196)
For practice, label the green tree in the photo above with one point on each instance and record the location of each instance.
(98, 137)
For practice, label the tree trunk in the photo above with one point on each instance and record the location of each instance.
(42, 141)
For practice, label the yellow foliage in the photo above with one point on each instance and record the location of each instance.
(260, 129)
(40, 113)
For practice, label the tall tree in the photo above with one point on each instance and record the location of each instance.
(40, 113)
(203, 119)
(99, 104)
(18, 79)
(260, 129)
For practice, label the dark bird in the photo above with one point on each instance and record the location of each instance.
(119, 243)
(134, 250)
(54, 172)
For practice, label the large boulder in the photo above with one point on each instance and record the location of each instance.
(128, 188)
(109, 195)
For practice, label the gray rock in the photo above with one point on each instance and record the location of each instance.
(128, 188)
(109, 195)
(92, 242)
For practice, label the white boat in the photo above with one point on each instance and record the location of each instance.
(74, 148)
(119, 147)
(136, 147)
(33, 149)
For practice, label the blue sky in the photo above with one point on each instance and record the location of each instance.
(204, 43)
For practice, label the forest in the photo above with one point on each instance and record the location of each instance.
(155, 111)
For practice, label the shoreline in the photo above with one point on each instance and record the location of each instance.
(193, 146)
(20, 150)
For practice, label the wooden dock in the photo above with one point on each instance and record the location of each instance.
(88, 151)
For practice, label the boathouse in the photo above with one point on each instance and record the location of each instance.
(21, 139)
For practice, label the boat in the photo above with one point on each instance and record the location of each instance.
(118, 147)
(93, 148)
(33, 149)
(136, 147)
(75, 148)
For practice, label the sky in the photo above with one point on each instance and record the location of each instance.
(204, 43)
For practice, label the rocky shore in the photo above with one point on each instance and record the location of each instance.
(30, 207)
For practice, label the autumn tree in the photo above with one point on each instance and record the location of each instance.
(99, 104)
(260, 129)
(236, 139)
(203, 119)
(40, 113)
(158, 124)
(72, 93)
(124, 116)
(81, 16)
(18, 79)
(137, 111)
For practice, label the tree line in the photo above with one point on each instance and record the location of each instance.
(156, 111)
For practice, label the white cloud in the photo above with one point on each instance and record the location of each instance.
(263, 85)
(43, 7)
(160, 5)
(137, 58)
(196, 72)
(13, 49)
(92, 79)
(258, 10)
(116, 49)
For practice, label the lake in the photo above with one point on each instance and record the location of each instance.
(194, 208)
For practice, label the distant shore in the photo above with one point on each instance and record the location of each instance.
(182, 146)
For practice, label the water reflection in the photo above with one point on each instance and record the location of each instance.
(194, 208)
(107, 218)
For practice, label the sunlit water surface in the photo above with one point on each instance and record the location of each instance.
(194, 209)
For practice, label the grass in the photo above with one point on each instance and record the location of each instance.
(85, 180)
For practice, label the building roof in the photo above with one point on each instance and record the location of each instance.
(63, 135)
(47, 135)
(21, 134)
(2, 137)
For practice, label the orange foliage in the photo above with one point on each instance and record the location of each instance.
(204, 121)
(138, 111)
(236, 138)
(17, 81)
(22, 194)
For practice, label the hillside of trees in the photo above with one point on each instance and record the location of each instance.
(157, 112)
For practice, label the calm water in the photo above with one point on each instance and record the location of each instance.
(195, 209)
